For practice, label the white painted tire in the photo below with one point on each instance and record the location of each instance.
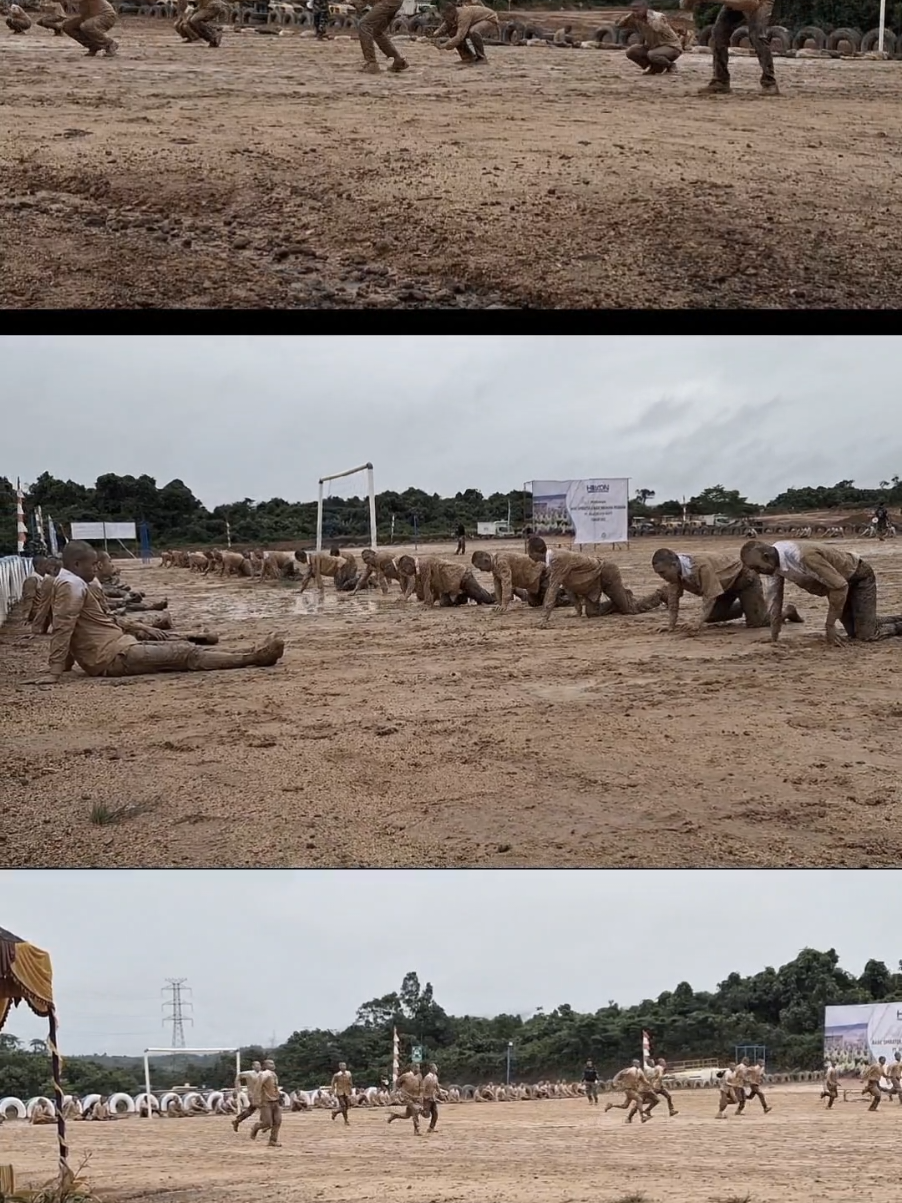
(16, 1106)
(188, 1100)
(166, 1099)
(154, 1101)
(70, 1098)
(88, 1102)
(38, 1098)
(215, 1100)
(121, 1103)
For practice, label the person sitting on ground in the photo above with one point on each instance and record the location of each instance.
(84, 633)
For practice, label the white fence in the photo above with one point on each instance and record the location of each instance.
(13, 571)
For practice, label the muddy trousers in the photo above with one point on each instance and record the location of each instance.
(320, 22)
(630, 1098)
(54, 23)
(471, 588)
(592, 1092)
(620, 599)
(245, 1114)
(270, 1121)
(830, 1093)
(874, 1091)
(174, 657)
(372, 30)
(859, 615)
(644, 1104)
(755, 1092)
(728, 20)
(91, 32)
(656, 61)
(430, 1108)
(202, 22)
(342, 1108)
(411, 1111)
(667, 1097)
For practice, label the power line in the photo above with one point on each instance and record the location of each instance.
(175, 1007)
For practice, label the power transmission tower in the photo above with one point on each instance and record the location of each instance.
(175, 1007)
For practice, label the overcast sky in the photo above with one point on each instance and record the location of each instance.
(249, 416)
(268, 952)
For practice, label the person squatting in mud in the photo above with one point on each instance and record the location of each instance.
(660, 46)
(85, 633)
(727, 588)
(585, 578)
(755, 15)
(91, 25)
(372, 29)
(459, 27)
(822, 569)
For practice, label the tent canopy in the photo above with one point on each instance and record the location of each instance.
(25, 974)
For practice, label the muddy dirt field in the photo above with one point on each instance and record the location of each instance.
(271, 173)
(557, 1151)
(389, 735)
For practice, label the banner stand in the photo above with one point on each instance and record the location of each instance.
(595, 510)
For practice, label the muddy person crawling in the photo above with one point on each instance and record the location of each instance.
(86, 634)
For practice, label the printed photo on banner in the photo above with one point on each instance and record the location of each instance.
(594, 511)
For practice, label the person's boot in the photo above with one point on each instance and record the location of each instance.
(770, 89)
(111, 49)
(791, 614)
(371, 69)
(714, 88)
(203, 639)
(399, 64)
(235, 1124)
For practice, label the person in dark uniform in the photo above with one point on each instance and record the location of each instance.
(590, 1077)
(461, 540)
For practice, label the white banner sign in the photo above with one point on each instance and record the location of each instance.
(103, 530)
(596, 510)
(862, 1031)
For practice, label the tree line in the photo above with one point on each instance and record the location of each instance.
(781, 1009)
(175, 517)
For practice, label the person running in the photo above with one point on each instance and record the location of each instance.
(830, 1090)
(410, 1088)
(270, 1105)
(251, 1079)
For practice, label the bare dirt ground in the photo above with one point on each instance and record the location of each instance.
(389, 735)
(271, 173)
(548, 1152)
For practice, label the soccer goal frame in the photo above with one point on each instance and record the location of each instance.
(178, 1052)
(371, 492)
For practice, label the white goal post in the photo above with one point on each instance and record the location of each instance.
(368, 468)
(179, 1052)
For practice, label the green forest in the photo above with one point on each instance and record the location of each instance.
(781, 1009)
(175, 517)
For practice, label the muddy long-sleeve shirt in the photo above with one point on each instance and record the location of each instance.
(468, 16)
(655, 30)
(512, 570)
(440, 576)
(84, 631)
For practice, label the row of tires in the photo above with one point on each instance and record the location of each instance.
(810, 37)
(513, 33)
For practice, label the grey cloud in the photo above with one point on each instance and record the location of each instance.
(326, 941)
(262, 417)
